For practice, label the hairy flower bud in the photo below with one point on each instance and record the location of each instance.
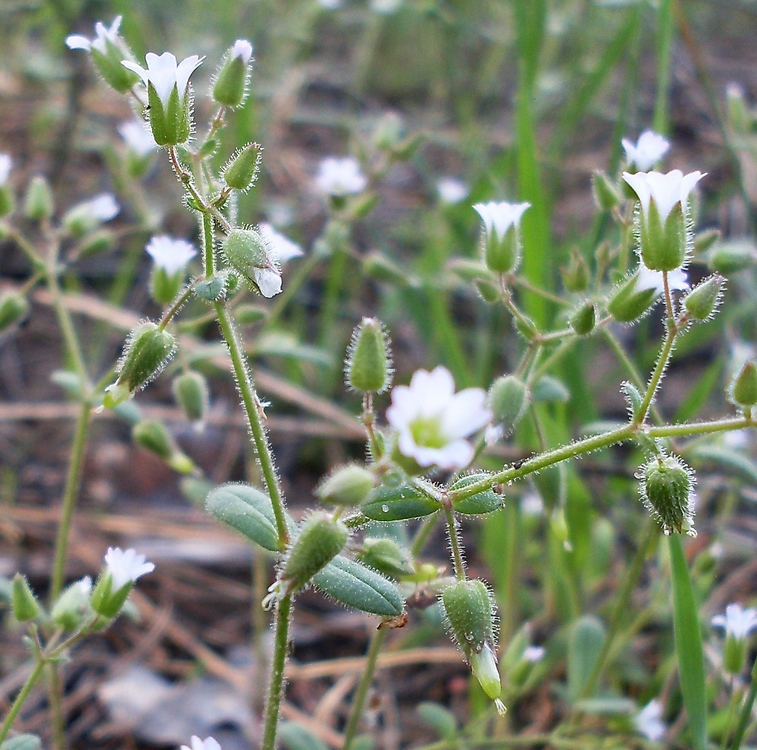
(349, 486)
(70, 608)
(508, 400)
(190, 390)
(576, 275)
(385, 556)
(368, 368)
(230, 85)
(743, 391)
(606, 195)
(24, 603)
(241, 171)
(702, 301)
(154, 437)
(39, 203)
(583, 319)
(666, 486)
(247, 253)
(470, 614)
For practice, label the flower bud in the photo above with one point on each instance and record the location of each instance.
(147, 352)
(489, 292)
(508, 399)
(7, 200)
(576, 275)
(246, 252)
(743, 391)
(72, 605)
(23, 601)
(484, 667)
(230, 85)
(740, 119)
(731, 257)
(241, 171)
(666, 485)
(469, 614)
(702, 301)
(500, 234)
(190, 390)
(154, 437)
(385, 556)
(606, 195)
(13, 309)
(348, 486)
(39, 203)
(705, 239)
(368, 368)
(320, 540)
(628, 303)
(583, 319)
(734, 654)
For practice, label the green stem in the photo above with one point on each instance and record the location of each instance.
(253, 410)
(176, 306)
(73, 481)
(700, 428)
(208, 254)
(276, 683)
(662, 363)
(67, 327)
(21, 699)
(454, 543)
(746, 712)
(56, 705)
(361, 694)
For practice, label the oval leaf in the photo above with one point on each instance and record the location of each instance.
(354, 585)
(480, 503)
(586, 641)
(22, 742)
(247, 510)
(398, 504)
(296, 737)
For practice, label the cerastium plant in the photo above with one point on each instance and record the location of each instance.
(420, 459)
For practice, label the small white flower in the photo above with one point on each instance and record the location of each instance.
(666, 190)
(649, 721)
(85, 585)
(5, 168)
(207, 744)
(432, 421)
(164, 73)
(534, 654)
(340, 176)
(103, 36)
(737, 621)
(242, 49)
(126, 567)
(647, 151)
(96, 211)
(451, 190)
(677, 280)
(137, 136)
(499, 217)
(170, 254)
(280, 248)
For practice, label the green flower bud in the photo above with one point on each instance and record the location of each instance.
(13, 309)
(628, 303)
(348, 486)
(230, 85)
(576, 275)
(666, 486)
(154, 437)
(489, 292)
(702, 301)
(246, 252)
(241, 171)
(469, 613)
(705, 239)
(39, 203)
(190, 390)
(606, 195)
(100, 241)
(740, 118)
(743, 391)
(23, 601)
(7, 200)
(368, 368)
(731, 257)
(583, 319)
(72, 605)
(385, 556)
(147, 351)
(734, 655)
(320, 540)
(509, 399)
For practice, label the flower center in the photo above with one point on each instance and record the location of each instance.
(427, 432)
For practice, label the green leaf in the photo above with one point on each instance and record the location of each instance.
(688, 638)
(296, 737)
(354, 585)
(22, 742)
(550, 389)
(586, 640)
(727, 458)
(247, 510)
(398, 503)
(480, 503)
(442, 720)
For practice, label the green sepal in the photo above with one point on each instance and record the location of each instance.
(627, 305)
(663, 246)
(104, 600)
(385, 556)
(469, 611)
(109, 65)
(743, 390)
(24, 603)
(170, 125)
(482, 502)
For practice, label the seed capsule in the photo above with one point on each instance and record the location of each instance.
(666, 491)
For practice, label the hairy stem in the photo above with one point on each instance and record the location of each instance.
(21, 699)
(276, 682)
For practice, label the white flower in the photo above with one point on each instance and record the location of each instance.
(103, 36)
(666, 190)
(433, 421)
(534, 654)
(164, 73)
(89, 214)
(137, 137)
(84, 585)
(499, 217)
(340, 177)
(126, 567)
(207, 744)
(5, 168)
(242, 49)
(649, 721)
(646, 279)
(647, 151)
(280, 248)
(170, 254)
(451, 190)
(737, 621)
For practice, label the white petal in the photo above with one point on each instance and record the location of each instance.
(466, 413)
(242, 49)
(138, 69)
(185, 69)
(280, 248)
(268, 281)
(76, 41)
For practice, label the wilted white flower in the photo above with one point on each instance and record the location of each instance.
(340, 176)
(103, 35)
(5, 168)
(137, 137)
(534, 654)
(646, 279)
(165, 74)
(664, 190)
(451, 190)
(207, 744)
(432, 421)
(738, 621)
(126, 567)
(170, 254)
(242, 49)
(647, 151)
(649, 721)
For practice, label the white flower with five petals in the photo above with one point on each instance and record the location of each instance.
(126, 567)
(738, 621)
(647, 151)
(340, 176)
(432, 421)
(165, 74)
(664, 190)
(103, 35)
(170, 254)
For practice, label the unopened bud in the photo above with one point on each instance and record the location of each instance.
(147, 352)
(13, 309)
(489, 292)
(484, 667)
(606, 195)
(154, 437)
(743, 391)
(385, 556)
(245, 249)
(23, 602)
(7, 200)
(740, 119)
(368, 368)
(348, 486)
(583, 319)
(320, 540)
(242, 169)
(69, 611)
(702, 301)
(734, 654)
(509, 399)
(190, 390)
(628, 303)
(230, 85)
(666, 485)
(576, 275)
(469, 613)
(39, 203)
(705, 239)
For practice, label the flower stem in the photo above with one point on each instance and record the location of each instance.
(454, 543)
(654, 382)
(56, 705)
(21, 699)
(746, 712)
(276, 683)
